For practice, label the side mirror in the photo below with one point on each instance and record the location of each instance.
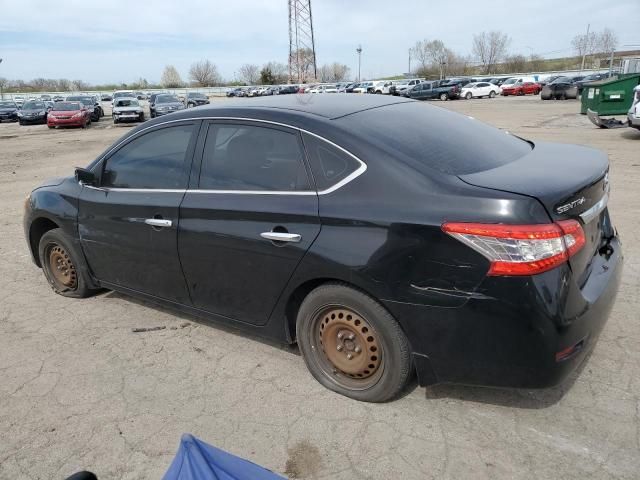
(85, 176)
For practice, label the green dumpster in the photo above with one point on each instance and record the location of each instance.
(609, 97)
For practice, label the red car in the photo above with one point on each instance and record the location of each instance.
(68, 114)
(525, 88)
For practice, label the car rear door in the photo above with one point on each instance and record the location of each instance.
(128, 225)
(248, 218)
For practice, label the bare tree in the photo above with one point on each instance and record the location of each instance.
(79, 85)
(490, 48)
(3, 84)
(585, 44)
(333, 72)
(607, 41)
(63, 85)
(516, 63)
(278, 72)
(204, 73)
(458, 64)
(536, 62)
(250, 73)
(302, 62)
(171, 78)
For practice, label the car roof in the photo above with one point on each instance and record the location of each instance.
(329, 107)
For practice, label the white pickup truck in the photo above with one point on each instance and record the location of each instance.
(403, 85)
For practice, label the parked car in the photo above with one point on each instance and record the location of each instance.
(595, 77)
(195, 99)
(127, 110)
(402, 85)
(478, 90)
(431, 90)
(105, 97)
(92, 104)
(324, 89)
(58, 98)
(19, 100)
(152, 97)
(524, 88)
(378, 87)
(122, 94)
(140, 96)
(549, 79)
(33, 111)
(69, 114)
(8, 111)
(349, 88)
(164, 104)
(236, 92)
(560, 89)
(633, 116)
(478, 267)
(45, 98)
(363, 87)
(288, 89)
(515, 81)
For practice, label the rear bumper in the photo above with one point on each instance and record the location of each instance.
(528, 332)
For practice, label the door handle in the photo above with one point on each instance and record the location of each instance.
(281, 237)
(158, 222)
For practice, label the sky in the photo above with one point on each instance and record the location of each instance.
(119, 41)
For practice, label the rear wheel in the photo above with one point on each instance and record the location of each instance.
(352, 345)
(60, 264)
(444, 96)
(492, 94)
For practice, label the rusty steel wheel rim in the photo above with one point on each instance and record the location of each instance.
(62, 268)
(347, 347)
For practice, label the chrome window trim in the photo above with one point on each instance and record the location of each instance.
(349, 178)
(594, 211)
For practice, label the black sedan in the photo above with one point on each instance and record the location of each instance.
(33, 111)
(195, 99)
(561, 88)
(8, 110)
(384, 236)
(164, 104)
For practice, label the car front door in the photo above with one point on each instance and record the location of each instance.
(247, 219)
(128, 222)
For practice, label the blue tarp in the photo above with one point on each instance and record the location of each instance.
(197, 460)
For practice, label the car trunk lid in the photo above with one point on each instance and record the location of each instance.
(570, 181)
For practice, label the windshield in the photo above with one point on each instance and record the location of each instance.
(167, 99)
(123, 94)
(426, 137)
(127, 102)
(67, 106)
(562, 80)
(85, 100)
(7, 105)
(34, 105)
(510, 81)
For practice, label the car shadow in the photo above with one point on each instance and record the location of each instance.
(530, 399)
(631, 134)
(293, 349)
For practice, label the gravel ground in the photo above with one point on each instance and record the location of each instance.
(79, 390)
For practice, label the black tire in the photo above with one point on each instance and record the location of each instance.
(386, 361)
(492, 94)
(444, 96)
(56, 244)
(20, 122)
(468, 96)
(115, 120)
(141, 118)
(563, 96)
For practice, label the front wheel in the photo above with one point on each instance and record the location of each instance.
(61, 265)
(468, 96)
(352, 345)
(444, 97)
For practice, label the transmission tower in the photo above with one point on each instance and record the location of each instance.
(302, 48)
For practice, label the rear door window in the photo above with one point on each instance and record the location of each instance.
(249, 157)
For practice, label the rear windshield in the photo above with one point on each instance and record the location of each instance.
(428, 136)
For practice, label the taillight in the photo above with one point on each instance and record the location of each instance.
(521, 249)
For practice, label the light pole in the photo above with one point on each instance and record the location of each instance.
(359, 50)
(1, 92)
(409, 71)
